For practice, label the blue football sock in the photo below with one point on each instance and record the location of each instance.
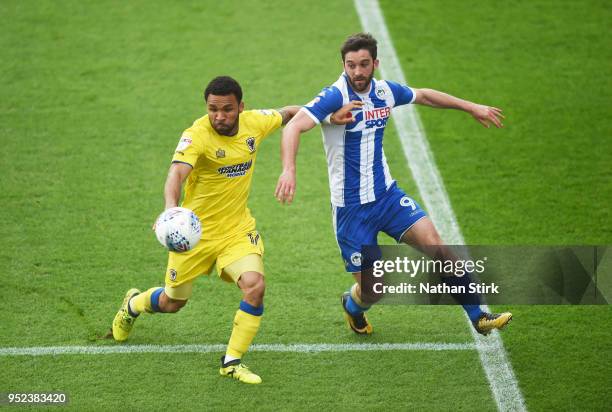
(474, 312)
(469, 301)
(353, 308)
(155, 299)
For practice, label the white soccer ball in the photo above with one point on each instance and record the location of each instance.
(178, 229)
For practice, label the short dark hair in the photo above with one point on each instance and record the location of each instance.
(358, 41)
(223, 86)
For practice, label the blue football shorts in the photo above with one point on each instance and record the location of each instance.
(358, 225)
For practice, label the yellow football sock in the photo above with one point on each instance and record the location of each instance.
(142, 302)
(245, 329)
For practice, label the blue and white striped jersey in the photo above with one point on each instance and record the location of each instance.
(357, 167)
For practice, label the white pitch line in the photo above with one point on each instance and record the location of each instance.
(295, 348)
(498, 370)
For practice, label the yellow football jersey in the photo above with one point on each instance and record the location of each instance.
(218, 187)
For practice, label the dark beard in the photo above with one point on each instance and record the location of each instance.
(368, 82)
(231, 131)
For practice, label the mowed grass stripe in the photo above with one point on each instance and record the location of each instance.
(294, 348)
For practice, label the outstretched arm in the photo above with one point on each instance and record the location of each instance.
(290, 141)
(177, 174)
(288, 112)
(486, 115)
(174, 182)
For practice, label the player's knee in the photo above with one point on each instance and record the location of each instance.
(258, 288)
(253, 287)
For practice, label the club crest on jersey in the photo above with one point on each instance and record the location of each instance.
(251, 144)
(172, 274)
(220, 153)
(380, 93)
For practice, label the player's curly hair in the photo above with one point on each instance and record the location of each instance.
(223, 86)
(358, 41)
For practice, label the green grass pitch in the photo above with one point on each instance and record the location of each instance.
(94, 96)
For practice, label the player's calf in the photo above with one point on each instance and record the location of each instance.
(246, 324)
(363, 291)
(169, 305)
(155, 300)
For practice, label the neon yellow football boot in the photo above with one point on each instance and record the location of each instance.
(124, 322)
(489, 321)
(237, 370)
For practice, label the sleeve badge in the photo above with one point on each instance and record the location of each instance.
(183, 144)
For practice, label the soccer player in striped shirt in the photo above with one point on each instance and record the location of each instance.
(365, 198)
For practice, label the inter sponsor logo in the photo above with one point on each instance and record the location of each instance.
(378, 113)
(376, 117)
(239, 169)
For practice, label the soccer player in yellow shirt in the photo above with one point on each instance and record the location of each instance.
(215, 157)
